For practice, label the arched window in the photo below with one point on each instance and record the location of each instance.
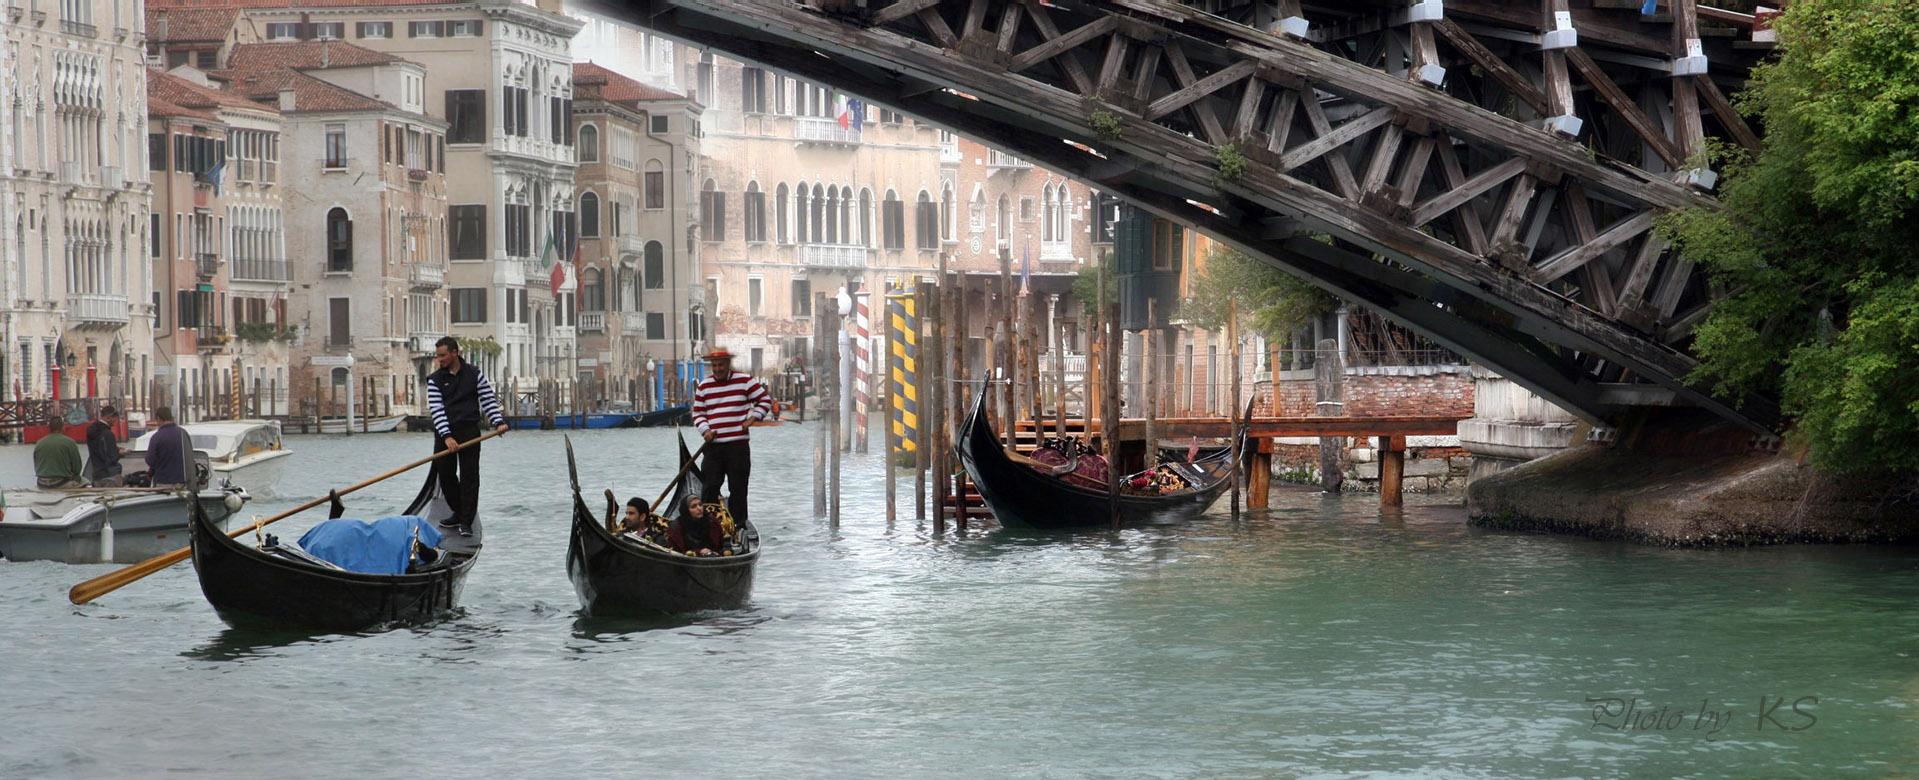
(654, 186)
(655, 266)
(589, 143)
(976, 210)
(949, 211)
(832, 215)
(339, 241)
(1004, 218)
(926, 222)
(754, 218)
(1047, 201)
(589, 215)
(846, 216)
(592, 290)
(780, 210)
(712, 212)
(799, 213)
(892, 222)
(866, 218)
(819, 214)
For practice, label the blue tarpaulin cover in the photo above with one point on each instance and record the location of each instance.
(383, 546)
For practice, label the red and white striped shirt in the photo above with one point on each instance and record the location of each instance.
(725, 406)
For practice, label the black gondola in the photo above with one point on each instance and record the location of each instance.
(619, 577)
(661, 418)
(275, 585)
(1021, 496)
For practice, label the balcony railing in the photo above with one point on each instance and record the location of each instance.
(535, 275)
(70, 172)
(262, 270)
(213, 337)
(633, 323)
(112, 177)
(426, 276)
(632, 245)
(208, 264)
(823, 131)
(87, 309)
(592, 322)
(81, 29)
(832, 256)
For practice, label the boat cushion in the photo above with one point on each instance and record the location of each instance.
(383, 546)
(1088, 472)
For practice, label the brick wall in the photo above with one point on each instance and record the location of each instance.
(1388, 391)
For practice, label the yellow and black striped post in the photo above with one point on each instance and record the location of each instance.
(904, 422)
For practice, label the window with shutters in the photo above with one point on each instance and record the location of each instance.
(466, 116)
(339, 241)
(466, 232)
(892, 222)
(926, 226)
(589, 215)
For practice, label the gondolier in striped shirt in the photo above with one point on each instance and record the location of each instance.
(723, 405)
(457, 397)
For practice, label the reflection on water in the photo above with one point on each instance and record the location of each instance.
(1319, 638)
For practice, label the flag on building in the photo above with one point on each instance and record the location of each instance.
(841, 114)
(546, 255)
(217, 172)
(559, 269)
(1026, 267)
(858, 110)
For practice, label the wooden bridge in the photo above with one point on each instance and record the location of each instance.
(1489, 173)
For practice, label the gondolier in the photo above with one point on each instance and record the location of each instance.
(457, 397)
(724, 404)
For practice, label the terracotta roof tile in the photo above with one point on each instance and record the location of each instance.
(309, 93)
(166, 87)
(306, 55)
(593, 82)
(184, 25)
(163, 108)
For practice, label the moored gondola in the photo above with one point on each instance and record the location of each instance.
(276, 585)
(1020, 495)
(616, 575)
(664, 417)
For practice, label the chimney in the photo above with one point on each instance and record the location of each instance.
(286, 99)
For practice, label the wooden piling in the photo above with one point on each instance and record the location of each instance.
(1109, 412)
(1005, 382)
(1329, 393)
(886, 403)
(1150, 393)
(833, 454)
(938, 364)
(958, 395)
(1392, 470)
(1232, 333)
(821, 387)
(925, 371)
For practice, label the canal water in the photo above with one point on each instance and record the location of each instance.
(1317, 639)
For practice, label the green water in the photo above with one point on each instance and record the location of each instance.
(1319, 639)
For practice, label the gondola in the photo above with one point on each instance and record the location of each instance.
(616, 576)
(661, 418)
(275, 585)
(1022, 496)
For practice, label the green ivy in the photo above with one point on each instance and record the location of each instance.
(1105, 124)
(1229, 162)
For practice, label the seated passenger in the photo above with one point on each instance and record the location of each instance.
(640, 522)
(698, 531)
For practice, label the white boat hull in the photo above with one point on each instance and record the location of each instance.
(259, 473)
(370, 425)
(144, 525)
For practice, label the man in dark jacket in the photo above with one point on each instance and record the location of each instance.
(167, 451)
(458, 397)
(103, 449)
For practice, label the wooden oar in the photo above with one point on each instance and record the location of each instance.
(655, 506)
(119, 578)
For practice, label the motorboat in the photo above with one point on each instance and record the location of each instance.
(105, 525)
(247, 453)
(387, 424)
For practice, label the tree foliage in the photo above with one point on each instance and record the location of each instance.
(1271, 301)
(1086, 287)
(1815, 241)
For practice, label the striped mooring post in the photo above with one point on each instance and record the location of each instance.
(904, 419)
(862, 368)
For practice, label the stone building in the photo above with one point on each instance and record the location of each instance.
(369, 227)
(638, 268)
(498, 73)
(75, 297)
(205, 210)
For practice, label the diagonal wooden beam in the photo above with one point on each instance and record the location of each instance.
(1114, 63)
(975, 18)
(1610, 92)
(1280, 125)
(1149, 57)
(1413, 174)
(1585, 252)
(1008, 28)
(1337, 137)
(1639, 273)
(1219, 80)
(1248, 113)
(936, 25)
(1461, 192)
(1059, 45)
(1183, 71)
(901, 10)
(1385, 151)
(1515, 83)
(1049, 31)
(1504, 235)
(1466, 221)
(1733, 122)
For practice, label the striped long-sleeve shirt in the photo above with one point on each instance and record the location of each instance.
(725, 406)
(461, 398)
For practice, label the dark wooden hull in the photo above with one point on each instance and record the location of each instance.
(660, 418)
(616, 577)
(250, 588)
(1023, 497)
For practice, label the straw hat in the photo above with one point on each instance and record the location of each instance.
(719, 353)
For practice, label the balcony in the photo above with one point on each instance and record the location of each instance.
(262, 270)
(426, 276)
(81, 29)
(416, 174)
(828, 131)
(208, 265)
(213, 337)
(833, 256)
(97, 311)
(633, 323)
(592, 322)
(70, 172)
(632, 245)
(113, 177)
(535, 275)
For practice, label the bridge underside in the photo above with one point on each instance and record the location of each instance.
(1524, 249)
